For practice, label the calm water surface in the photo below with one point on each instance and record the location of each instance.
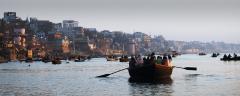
(213, 78)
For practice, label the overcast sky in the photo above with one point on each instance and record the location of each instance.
(185, 20)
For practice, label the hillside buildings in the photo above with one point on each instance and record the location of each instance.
(43, 37)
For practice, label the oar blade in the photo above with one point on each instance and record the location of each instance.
(104, 75)
(190, 68)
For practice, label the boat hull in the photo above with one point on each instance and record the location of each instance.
(155, 71)
(56, 62)
(112, 59)
(123, 60)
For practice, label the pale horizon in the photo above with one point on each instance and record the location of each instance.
(180, 20)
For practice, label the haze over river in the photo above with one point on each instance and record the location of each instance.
(213, 78)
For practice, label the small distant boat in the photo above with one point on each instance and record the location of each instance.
(89, 57)
(37, 59)
(215, 54)
(202, 53)
(2, 60)
(112, 58)
(29, 60)
(79, 60)
(123, 59)
(46, 59)
(56, 61)
(231, 59)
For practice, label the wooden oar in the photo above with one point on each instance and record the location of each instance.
(105, 75)
(186, 68)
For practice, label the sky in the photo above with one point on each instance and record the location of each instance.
(182, 20)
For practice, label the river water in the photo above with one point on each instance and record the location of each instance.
(213, 78)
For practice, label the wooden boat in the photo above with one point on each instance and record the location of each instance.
(123, 60)
(201, 54)
(231, 59)
(46, 59)
(215, 54)
(56, 61)
(79, 60)
(155, 71)
(111, 58)
(2, 60)
(29, 60)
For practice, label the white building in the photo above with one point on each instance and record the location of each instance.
(132, 47)
(68, 27)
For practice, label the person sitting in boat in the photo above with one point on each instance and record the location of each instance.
(147, 60)
(139, 60)
(235, 55)
(144, 60)
(122, 56)
(225, 56)
(126, 57)
(169, 57)
(169, 60)
(229, 56)
(153, 55)
(166, 61)
(132, 62)
(159, 60)
(152, 60)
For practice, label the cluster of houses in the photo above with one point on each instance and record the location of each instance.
(35, 38)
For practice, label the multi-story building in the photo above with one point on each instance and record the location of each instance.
(9, 16)
(20, 37)
(41, 27)
(54, 42)
(57, 27)
(68, 28)
(131, 47)
(57, 43)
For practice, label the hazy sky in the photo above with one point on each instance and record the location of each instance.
(187, 20)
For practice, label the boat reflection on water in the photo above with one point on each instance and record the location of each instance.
(168, 81)
(159, 87)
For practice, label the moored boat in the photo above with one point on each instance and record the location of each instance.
(111, 58)
(56, 61)
(3, 60)
(28, 60)
(123, 60)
